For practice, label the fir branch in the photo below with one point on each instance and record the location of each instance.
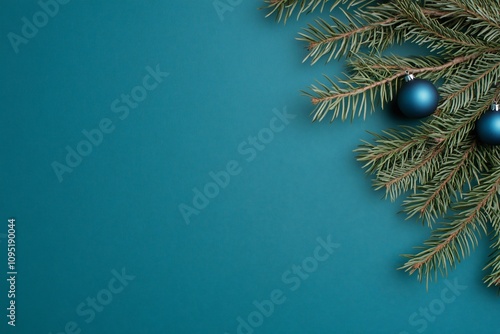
(429, 144)
(376, 31)
(422, 29)
(450, 243)
(453, 129)
(480, 15)
(340, 98)
(432, 200)
(346, 39)
(362, 90)
(390, 148)
(493, 278)
(418, 171)
(471, 83)
(284, 9)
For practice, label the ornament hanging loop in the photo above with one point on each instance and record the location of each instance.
(409, 76)
(495, 106)
(487, 129)
(497, 86)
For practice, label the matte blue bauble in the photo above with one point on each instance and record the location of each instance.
(417, 98)
(488, 127)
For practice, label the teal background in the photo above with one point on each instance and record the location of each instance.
(120, 207)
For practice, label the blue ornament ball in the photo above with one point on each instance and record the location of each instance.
(417, 98)
(488, 128)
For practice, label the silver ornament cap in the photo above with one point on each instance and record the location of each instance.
(495, 106)
(409, 76)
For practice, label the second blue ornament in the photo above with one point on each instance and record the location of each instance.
(417, 98)
(488, 126)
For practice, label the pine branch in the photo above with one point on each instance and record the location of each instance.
(449, 244)
(482, 17)
(427, 148)
(454, 128)
(376, 31)
(433, 199)
(344, 39)
(284, 9)
(422, 29)
(393, 147)
(471, 83)
(493, 278)
(367, 88)
(418, 171)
